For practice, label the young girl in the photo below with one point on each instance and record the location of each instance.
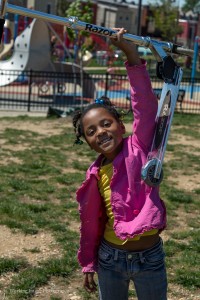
(121, 217)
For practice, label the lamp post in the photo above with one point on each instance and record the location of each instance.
(139, 17)
(177, 20)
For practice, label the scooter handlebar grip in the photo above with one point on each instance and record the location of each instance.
(183, 51)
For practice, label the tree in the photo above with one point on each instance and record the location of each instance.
(189, 5)
(166, 19)
(84, 12)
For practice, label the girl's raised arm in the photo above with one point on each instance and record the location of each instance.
(143, 100)
(128, 48)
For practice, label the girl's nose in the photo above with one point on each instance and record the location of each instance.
(100, 131)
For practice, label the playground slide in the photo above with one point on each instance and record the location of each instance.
(31, 51)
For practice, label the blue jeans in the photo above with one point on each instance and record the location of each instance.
(145, 268)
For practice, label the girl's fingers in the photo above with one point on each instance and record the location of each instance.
(120, 32)
(119, 29)
(89, 283)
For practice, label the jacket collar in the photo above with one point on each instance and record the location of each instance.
(94, 168)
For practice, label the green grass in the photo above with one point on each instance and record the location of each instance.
(37, 192)
(12, 265)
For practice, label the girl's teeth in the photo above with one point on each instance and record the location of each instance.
(104, 141)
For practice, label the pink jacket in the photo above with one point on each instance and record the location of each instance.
(136, 207)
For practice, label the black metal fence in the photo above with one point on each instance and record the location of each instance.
(34, 91)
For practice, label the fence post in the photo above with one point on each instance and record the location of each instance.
(196, 48)
(30, 88)
(106, 86)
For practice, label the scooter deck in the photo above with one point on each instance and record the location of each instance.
(152, 171)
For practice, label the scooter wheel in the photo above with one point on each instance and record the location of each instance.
(148, 174)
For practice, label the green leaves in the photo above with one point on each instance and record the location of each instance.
(166, 19)
(84, 12)
(189, 5)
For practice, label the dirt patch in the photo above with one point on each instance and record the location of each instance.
(48, 128)
(16, 244)
(32, 248)
(187, 184)
(186, 141)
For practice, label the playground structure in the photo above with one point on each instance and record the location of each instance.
(16, 24)
(32, 51)
(12, 28)
(22, 28)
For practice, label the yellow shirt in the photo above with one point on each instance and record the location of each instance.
(105, 174)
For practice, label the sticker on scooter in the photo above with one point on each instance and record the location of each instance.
(162, 121)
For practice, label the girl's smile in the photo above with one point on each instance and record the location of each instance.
(103, 132)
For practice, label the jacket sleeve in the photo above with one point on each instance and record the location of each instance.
(144, 105)
(92, 225)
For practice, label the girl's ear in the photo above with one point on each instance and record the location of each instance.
(123, 127)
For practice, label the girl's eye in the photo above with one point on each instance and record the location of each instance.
(90, 132)
(106, 124)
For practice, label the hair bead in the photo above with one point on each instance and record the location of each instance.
(78, 141)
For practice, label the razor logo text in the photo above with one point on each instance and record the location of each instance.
(98, 30)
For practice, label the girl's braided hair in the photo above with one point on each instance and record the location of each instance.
(103, 102)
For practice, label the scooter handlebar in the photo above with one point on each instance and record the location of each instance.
(158, 47)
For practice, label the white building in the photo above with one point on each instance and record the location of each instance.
(47, 6)
(113, 14)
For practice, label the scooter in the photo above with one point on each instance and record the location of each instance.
(167, 70)
(171, 73)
